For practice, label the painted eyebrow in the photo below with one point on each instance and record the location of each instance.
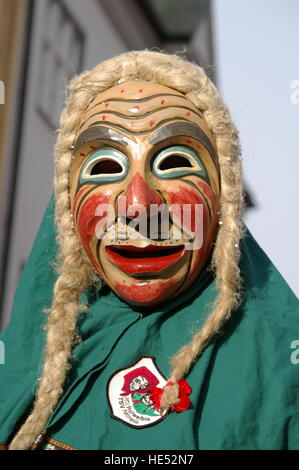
(100, 132)
(186, 129)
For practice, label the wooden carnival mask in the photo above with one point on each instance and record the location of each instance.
(144, 187)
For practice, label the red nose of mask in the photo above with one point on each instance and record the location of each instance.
(139, 194)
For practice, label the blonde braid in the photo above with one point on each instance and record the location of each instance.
(76, 273)
(226, 254)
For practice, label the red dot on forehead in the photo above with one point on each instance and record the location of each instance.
(162, 101)
(104, 118)
(122, 90)
(188, 114)
(106, 105)
(140, 90)
(151, 123)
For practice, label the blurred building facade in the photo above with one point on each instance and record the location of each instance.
(42, 44)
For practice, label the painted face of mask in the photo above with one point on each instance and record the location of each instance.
(144, 187)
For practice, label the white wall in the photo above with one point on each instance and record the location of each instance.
(257, 60)
(36, 169)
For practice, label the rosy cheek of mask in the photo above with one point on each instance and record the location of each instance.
(205, 188)
(79, 196)
(182, 196)
(88, 222)
(188, 196)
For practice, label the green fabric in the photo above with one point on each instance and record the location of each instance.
(245, 387)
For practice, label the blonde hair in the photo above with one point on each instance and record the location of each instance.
(76, 272)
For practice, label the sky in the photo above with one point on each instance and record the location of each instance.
(257, 70)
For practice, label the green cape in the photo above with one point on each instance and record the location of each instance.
(244, 386)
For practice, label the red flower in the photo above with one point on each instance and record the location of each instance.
(156, 397)
(184, 391)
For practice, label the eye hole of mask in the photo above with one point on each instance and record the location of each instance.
(106, 164)
(105, 167)
(175, 161)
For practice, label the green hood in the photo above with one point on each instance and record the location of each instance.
(245, 385)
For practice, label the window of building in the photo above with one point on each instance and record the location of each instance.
(174, 20)
(61, 53)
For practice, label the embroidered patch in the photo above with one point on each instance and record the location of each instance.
(129, 393)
